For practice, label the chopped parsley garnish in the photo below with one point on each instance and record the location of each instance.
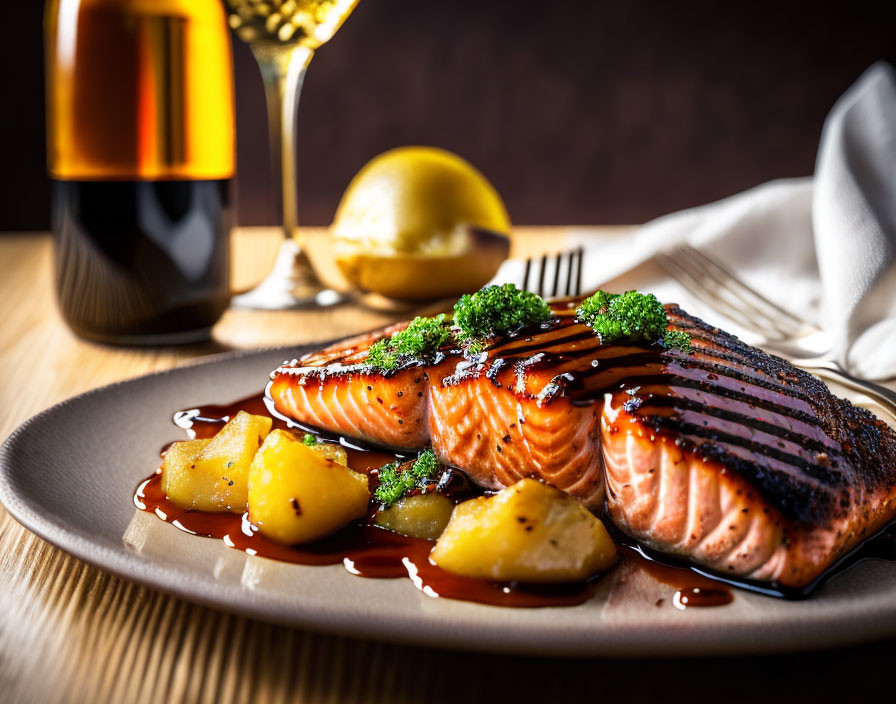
(631, 316)
(310, 440)
(394, 484)
(418, 341)
(496, 310)
(676, 339)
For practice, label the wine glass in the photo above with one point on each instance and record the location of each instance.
(283, 35)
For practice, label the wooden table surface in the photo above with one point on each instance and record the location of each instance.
(70, 632)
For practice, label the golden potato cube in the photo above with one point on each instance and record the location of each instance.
(296, 495)
(217, 479)
(176, 470)
(528, 532)
(420, 516)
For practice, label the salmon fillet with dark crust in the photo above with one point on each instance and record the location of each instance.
(725, 456)
(491, 419)
(740, 462)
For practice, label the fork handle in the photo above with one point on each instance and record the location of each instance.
(884, 396)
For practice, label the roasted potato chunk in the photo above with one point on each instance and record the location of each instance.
(176, 470)
(420, 516)
(216, 479)
(528, 532)
(297, 495)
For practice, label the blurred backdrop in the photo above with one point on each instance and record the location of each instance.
(579, 111)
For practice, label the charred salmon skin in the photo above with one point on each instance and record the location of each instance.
(723, 455)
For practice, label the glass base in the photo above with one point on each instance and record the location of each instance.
(290, 285)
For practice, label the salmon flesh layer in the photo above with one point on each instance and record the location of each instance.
(725, 456)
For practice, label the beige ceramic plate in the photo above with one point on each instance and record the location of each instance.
(69, 474)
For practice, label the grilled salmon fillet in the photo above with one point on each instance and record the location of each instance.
(725, 455)
(499, 421)
(333, 390)
(740, 462)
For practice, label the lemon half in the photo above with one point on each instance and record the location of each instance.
(420, 223)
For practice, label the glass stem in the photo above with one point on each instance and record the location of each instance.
(283, 70)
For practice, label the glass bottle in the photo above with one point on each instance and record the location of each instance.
(140, 133)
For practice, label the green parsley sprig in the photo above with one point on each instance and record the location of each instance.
(420, 340)
(496, 310)
(631, 316)
(395, 484)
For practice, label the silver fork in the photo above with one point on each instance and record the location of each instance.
(552, 276)
(784, 333)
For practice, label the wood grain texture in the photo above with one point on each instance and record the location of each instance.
(73, 633)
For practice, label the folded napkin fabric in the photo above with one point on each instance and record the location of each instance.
(854, 221)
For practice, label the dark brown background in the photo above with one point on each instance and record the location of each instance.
(579, 111)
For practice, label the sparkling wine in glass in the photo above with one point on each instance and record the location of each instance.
(283, 35)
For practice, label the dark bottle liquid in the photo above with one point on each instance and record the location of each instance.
(142, 262)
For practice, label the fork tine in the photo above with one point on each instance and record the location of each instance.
(722, 289)
(721, 270)
(570, 260)
(710, 295)
(558, 262)
(570, 274)
(713, 292)
(544, 264)
(526, 273)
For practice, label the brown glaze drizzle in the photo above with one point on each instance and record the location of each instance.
(678, 577)
(699, 596)
(691, 589)
(365, 550)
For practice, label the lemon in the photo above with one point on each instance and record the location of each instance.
(420, 223)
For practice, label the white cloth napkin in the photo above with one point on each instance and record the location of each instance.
(823, 247)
